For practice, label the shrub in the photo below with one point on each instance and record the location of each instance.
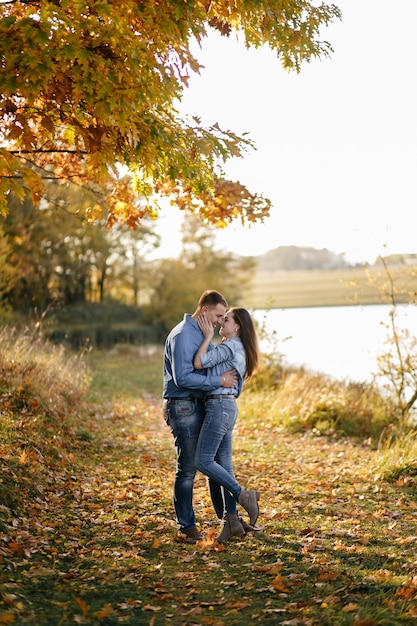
(301, 401)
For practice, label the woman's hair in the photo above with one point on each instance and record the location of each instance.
(247, 334)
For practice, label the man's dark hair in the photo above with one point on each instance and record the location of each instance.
(211, 298)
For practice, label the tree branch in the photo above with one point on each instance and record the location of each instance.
(56, 150)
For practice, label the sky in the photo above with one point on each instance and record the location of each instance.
(336, 145)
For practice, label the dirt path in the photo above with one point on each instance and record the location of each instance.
(100, 546)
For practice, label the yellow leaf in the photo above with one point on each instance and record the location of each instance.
(352, 606)
(69, 134)
(23, 458)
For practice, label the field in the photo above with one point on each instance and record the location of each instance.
(341, 287)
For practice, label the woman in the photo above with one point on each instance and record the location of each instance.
(239, 350)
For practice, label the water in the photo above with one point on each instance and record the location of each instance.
(340, 341)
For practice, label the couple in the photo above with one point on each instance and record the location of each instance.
(201, 384)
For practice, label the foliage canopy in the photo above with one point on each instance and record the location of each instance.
(88, 85)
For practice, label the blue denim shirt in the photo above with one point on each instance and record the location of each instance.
(228, 355)
(181, 380)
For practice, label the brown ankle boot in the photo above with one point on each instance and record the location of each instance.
(249, 500)
(248, 528)
(232, 527)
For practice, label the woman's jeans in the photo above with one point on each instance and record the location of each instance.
(214, 447)
(184, 418)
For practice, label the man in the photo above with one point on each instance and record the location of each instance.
(183, 393)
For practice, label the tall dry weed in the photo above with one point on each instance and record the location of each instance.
(34, 373)
(300, 400)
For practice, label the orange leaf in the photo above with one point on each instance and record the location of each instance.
(83, 605)
(16, 548)
(104, 612)
(325, 575)
(406, 592)
(7, 618)
(278, 584)
(239, 604)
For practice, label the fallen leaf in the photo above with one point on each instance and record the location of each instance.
(23, 458)
(325, 575)
(16, 548)
(272, 568)
(352, 606)
(104, 612)
(279, 585)
(83, 605)
(40, 571)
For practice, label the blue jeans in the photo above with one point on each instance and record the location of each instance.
(184, 418)
(214, 448)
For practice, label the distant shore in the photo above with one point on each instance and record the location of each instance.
(339, 287)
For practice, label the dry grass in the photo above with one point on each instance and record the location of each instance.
(36, 372)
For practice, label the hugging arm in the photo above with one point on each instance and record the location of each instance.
(184, 375)
(228, 379)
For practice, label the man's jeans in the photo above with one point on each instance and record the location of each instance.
(184, 418)
(214, 447)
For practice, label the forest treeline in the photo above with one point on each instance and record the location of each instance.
(292, 258)
(90, 283)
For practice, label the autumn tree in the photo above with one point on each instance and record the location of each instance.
(9, 273)
(89, 86)
(200, 266)
(33, 240)
(136, 277)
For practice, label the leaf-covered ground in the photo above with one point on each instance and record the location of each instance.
(98, 543)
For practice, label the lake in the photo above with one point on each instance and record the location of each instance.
(341, 341)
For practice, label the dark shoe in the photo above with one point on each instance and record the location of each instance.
(248, 528)
(232, 527)
(192, 535)
(248, 498)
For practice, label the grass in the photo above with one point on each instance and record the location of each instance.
(127, 372)
(92, 537)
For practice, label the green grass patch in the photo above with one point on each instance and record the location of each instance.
(125, 371)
